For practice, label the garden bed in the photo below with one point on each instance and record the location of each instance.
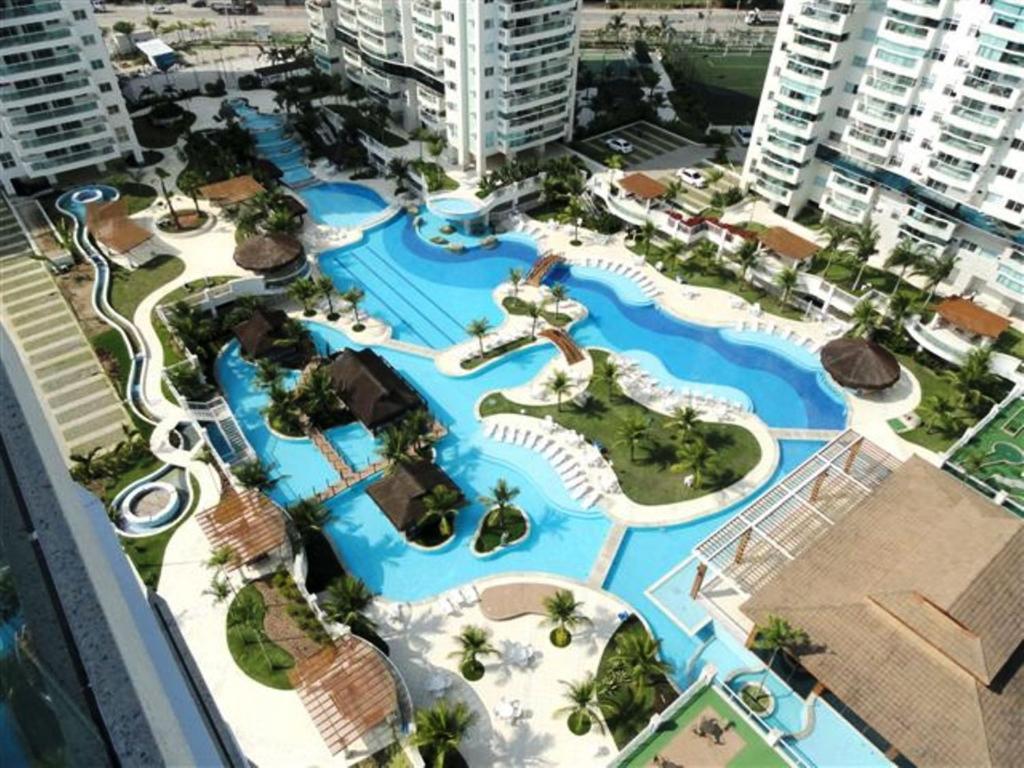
(477, 360)
(495, 535)
(516, 306)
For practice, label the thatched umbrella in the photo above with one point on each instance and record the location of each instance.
(860, 364)
(265, 253)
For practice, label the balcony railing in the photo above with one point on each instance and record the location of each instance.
(56, 138)
(36, 64)
(12, 41)
(29, 118)
(32, 9)
(62, 161)
(12, 95)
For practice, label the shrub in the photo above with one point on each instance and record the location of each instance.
(216, 88)
(248, 82)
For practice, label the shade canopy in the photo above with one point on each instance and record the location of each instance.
(860, 364)
(264, 253)
(642, 186)
(232, 191)
(968, 316)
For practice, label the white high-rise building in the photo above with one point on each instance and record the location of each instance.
(496, 77)
(60, 104)
(907, 111)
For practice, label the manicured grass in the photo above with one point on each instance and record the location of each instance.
(194, 287)
(513, 523)
(172, 354)
(624, 723)
(997, 451)
(129, 287)
(645, 478)
(109, 344)
(148, 553)
(476, 361)
(1011, 342)
(137, 197)
(516, 306)
(254, 653)
(755, 754)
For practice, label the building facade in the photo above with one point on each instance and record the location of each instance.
(907, 112)
(496, 77)
(60, 104)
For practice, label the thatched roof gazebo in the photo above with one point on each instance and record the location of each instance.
(860, 364)
(400, 494)
(268, 253)
(371, 389)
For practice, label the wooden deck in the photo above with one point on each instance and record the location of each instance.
(573, 354)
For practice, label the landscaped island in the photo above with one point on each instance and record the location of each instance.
(644, 446)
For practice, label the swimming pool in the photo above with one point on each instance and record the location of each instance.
(268, 132)
(340, 204)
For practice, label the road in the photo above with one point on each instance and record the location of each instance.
(293, 18)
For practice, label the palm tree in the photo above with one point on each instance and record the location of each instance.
(346, 602)
(573, 213)
(282, 411)
(124, 28)
(647, 233)
(864, 239)
(559, 293)
(442, 502)
(637, 660)
(581, 709)
(398, 169)
(515, 276)
(189, 182)
(305, 291)
(906, 255)
(748, 257)
(499, 503)
(971, 379)
(865, 319)
(535, 311)
(786, 280)
(616, 25)
(615, 162)
(631, 431)
(318, 397)
(354, 296)
(685, 421)
(838, 232)
(479, 328)
(154, 24)
(672, 249)
(937, 270)
(696, 457)
(253, 474)
(162, 177)
(440, 730)
(939, 413)
(558, 385)
(308, 515)
(395, 446)
(608, 374)
(86, 464)
(268, 373)
(562, 611)
(896, 312)
(473, 642)
(775, 635)
(326, 290)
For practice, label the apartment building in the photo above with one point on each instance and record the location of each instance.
(496, 77)
(907, 111)
(60, 104)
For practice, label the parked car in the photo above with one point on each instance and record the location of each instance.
(161, 10)
(621, 146)
(693, 177)
(742, 134)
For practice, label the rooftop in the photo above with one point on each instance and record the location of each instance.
(400, 493)
(788, 245)
(642, 186)
(232, 191)
(968, 316)
(247, 522)
(110, 224)
(370, 388)
(264, 253)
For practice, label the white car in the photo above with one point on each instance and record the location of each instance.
(161, 9)
(621, 146)
(692, 177)
(742, 134)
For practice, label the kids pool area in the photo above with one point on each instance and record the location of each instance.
(428, 294)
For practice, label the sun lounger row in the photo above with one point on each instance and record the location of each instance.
(634, 273)
(492, 342)
(787, 334)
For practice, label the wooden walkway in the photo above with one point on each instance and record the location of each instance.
(541, 267)
(349, 476)
(562, 340)
(605, 558)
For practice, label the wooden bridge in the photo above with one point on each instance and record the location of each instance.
(562, 340)
(541, 267)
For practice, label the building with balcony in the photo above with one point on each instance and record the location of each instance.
(497, 78)
(907, 112)
(60, 104)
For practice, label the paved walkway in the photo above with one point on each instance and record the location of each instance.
(81, 403)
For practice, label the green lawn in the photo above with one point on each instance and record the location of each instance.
(756, 753)
(109, 344)
(476, 361)
(997, 451)
(129, 287)
(193, 287)
(254, 653)
(513, 523)
(516, 306)
(1011, 342)
(645, 478)
(137, 197)
(147, 553)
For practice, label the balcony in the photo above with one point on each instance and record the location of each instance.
(427, 13)
(806, 75)
(963, 148)
(528, 33)
(897, 91)
(804, 129)
(791, 150)
(811, 48)
(20, 14)
(876, 116)
(866, 141)
(16, 95)
(512, 10)
(509, 124)
(908, 34)
(536, 54)
(994, 94)
(523, 142)
(845, 209)
(533, 77)
(768, 188)
(538, 98)
(826, 16)
(778, 170)
(989, 124)
(930, 9)
(41, 67)
(46, 116)
(957, 177)
(13, 43)
(72, 160)
(55, 140)
(934, 226)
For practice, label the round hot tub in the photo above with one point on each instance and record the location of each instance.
(455, 208)
(90, 195)
(150, 505)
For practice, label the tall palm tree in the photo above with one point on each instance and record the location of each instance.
(268, 373)
(253, 474)
(615, 162)
(776, 635)
(308, 515)
(499, 503)
(326, 290)
(395, 447)
(440, 730)
(630, 432)
(305, 291)
(608, 374)
(398, 169)
(562, 611)
(189, 182)
(442, 502)
(748, 257)
(559, 384)
(787, 280)
(864, 241)
(696, 457)
(354, 296)
(936, 271)
(282, 411)
(318, 397)
(838, 233)
(685, 420)
(581, 708)
(637, 661)
(479, 328)
(865, 319)
(972, 377)
(559, 293)
(896, 312)
(154, 24)
(473, 642)
(671, 250)
(515, 276)
(615, 26)
(647, 233)
(347, 601)
(162, 177)
(536, 312)
(905, 256)
(573, 213)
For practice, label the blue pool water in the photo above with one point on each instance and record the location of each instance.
(272, 143)
(342, 205)
(428, 294)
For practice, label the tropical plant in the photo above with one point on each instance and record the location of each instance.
(748, 257)
(473, 642)
(479, 328)
(515, 276)
(838, 233)
(581, 709)
(440, 730)
(685, 421)
(308, 515)
(637, 662)
(973, 376)
(631, 431)
(608, 374)
(162, 177)
(559, 293)
(559, 385)
(562, 611)
(86, 464)
(442, 503)
(154, 24)
(907, 255)
(647, 234)
(268, 373)
(696, 457)
(616, 26)
(936, 270)
(318, 397)
(778, 635)
(573, 214)
(864, 241)
(354, 297)
(672, 249)
(499, 503)
(615, 162)
(865, 319)
(398, 169)
(896, 312)
(219, 589)
(347, 601)
(123, 27)
(253, 474)
(535, 311)
(787, 280)
(189, 182)
(305, 291)
(282, 410)
(940, 413)
(326, 290)
(395, 447)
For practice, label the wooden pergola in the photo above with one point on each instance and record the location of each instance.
(348, 690)
(232, 191)
(247, 522)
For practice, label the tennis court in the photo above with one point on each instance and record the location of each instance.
(731, 83)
